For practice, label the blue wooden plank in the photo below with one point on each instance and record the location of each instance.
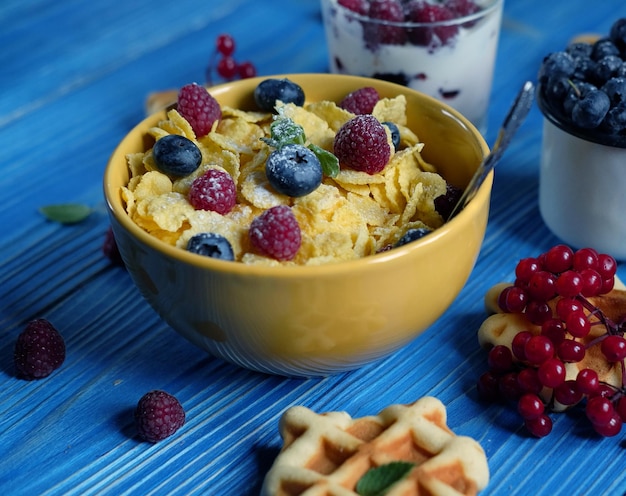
(73, 77)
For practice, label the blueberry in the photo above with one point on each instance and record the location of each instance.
(615, 88)
(270, 90)
(395, 134)
(557, 64)
(412, 235)
(615, 120)
(585, 68)
(589, 112)
(577, 91)
(211, 245)
(618, 34)
(606, 68)
(293, 170)
(604, 47)
(176, 155)
(579, 50)
(556, 89)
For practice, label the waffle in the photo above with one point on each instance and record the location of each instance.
(500, 329)
(326, 454)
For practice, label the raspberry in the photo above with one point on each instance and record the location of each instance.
(158, 415)
(199, 108)
(462, 8)
(361, 144)
(361, 101)
(39, 350)
(385, 10)
(215, 190)
(276, 233)
(419, 11)
(110, 249)
(358, 6)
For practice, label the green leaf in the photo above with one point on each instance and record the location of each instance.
(328, 161)
(66, 213)
(284, 131)
(377, 481)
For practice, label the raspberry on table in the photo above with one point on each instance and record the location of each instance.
(39, 350)
(361, 101)
(199, 108)
(215, 190)
(110, 248)
(361, 144)
(158, 415)
(276, 233)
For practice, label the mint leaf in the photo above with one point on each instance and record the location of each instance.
(328, 161)
(66, 213)
(377, 481)
(283, 131)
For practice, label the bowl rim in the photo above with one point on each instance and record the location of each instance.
(288, 271)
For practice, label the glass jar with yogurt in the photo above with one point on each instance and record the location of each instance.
(450, 59)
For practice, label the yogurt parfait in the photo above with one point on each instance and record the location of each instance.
(445, 49)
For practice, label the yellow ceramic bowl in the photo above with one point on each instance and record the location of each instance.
(306, 321)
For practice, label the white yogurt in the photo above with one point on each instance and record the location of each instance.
(459, 73)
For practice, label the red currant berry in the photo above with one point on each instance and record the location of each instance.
(607, 266)
(585, 258)
(512, 299)
(500, 359)
(599, 410)
(569, 284)
(530, 406)
(528, 381)
(571, 351)
(487, 386)
(540, 426)
(558, 259)
(538, 349)
(508, 387)
(613, 347)
(541, 286)
(611, 428)
(592, 282)
(620, 408)
(551, 373)
(538, 312)
(607, 285)
(577, 324)
(246, 70)
(227, 68)
(567, 393)
(554, 330)
(225, 44)
(587, 381)
(525, 269)
(518, 344)
(566, 306)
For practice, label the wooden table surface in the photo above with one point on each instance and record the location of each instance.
(74, 76)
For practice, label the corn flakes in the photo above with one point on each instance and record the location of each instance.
(348, 216)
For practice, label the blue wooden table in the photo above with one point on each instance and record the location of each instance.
(74, 76)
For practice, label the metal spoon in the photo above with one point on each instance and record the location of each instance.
(515, 117)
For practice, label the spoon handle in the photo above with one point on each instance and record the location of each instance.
(513, 120)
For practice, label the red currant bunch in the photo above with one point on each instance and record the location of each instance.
(224, 63)
(554, 363)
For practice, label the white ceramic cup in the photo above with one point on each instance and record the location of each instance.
(582, 190)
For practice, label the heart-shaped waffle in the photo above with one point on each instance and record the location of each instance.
(327, 454)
